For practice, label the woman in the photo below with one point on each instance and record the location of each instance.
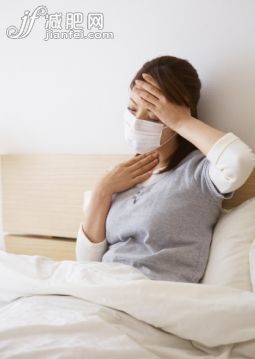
(157, 211)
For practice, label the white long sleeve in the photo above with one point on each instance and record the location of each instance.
(231, 163)
(86, 250)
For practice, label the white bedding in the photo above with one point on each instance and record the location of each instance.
(96, 310)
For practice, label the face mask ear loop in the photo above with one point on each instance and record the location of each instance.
(169, 139)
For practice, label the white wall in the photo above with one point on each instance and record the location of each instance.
(68, 96)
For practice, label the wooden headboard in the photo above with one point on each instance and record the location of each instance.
(43, 196)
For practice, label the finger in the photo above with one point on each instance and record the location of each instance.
(137, 158)
(150, 88)
(132, 160)
(135, 97)
(143, 161)
(148, 78)
(145, 168)
(146, 96)
(148, 105)
(141, 178)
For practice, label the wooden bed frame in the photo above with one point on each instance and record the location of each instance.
(42, 199)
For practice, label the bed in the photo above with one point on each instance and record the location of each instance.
(52, 306)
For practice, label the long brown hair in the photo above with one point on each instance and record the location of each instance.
(180, 83)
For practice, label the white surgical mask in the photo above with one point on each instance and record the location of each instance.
(141, 135)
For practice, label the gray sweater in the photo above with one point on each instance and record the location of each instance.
(165, 229)
(164, 225)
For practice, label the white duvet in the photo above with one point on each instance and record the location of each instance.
(71, 309)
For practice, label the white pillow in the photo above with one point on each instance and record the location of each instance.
(233, 234)
(252, 264)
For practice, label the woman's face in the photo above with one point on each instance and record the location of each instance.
(140, 111)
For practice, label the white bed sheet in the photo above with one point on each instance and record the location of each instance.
(53, 326)
(100, 310)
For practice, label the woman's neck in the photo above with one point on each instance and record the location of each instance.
(165, 152)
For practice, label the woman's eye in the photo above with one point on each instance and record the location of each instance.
(148, 119)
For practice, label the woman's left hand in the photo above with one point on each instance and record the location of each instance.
(151, 95)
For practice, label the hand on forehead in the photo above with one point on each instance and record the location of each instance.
(150, 84)
(135, 97)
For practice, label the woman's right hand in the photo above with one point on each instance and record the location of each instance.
(127, 174)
